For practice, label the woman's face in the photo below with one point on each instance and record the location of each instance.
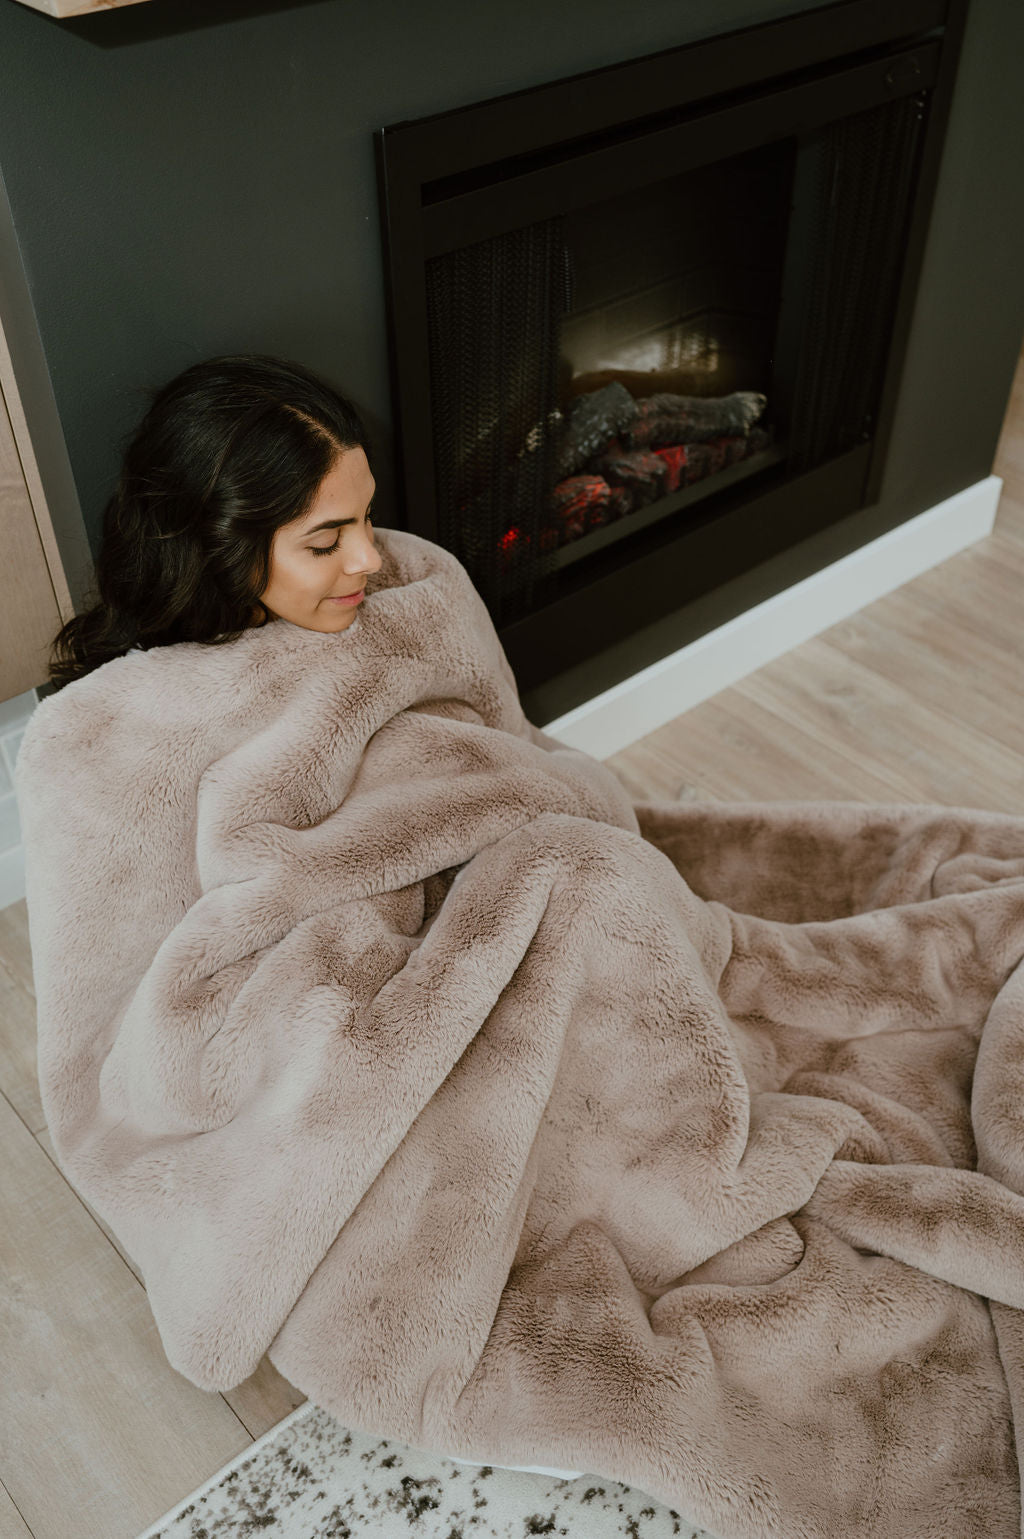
(328, 552)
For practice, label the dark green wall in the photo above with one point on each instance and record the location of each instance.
(189, 177)
(181, 189)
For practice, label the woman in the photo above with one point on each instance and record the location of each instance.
(245, 496)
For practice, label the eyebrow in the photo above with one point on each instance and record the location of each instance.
(335, 523)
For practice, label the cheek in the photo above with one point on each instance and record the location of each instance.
(284, 579)
(303, 571)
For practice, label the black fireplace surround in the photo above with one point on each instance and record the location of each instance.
(648, 323)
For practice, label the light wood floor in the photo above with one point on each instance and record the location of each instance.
(916, 698)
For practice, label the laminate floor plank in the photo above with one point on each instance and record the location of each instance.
(1008, 529)
(101, 1436)
(980, 588)
(15, 948)
(980, 602)
(12, 1524)
(986, 582)
(1010, 467)
(18, 1077)
(922, 646)
(264, 1398)
(45, 1143)
(929, 755)
(1012, 536)
(732, 748)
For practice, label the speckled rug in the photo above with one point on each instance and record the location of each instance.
(310, 1478)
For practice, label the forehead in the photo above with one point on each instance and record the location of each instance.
(344, 492)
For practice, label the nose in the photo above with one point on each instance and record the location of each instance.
(367, 558)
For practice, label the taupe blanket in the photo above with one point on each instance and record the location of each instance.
(681, 1144)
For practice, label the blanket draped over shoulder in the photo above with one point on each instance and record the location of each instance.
(679, 1143)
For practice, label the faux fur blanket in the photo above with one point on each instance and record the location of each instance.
(677, 1143)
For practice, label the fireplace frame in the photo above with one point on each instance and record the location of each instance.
(459, 177)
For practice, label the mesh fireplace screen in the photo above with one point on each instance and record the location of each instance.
(862, 170)
(494, 314)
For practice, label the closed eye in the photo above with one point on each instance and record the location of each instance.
(325, 550)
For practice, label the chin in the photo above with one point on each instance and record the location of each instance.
(342, 619)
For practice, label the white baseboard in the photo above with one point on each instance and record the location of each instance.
(647, 700)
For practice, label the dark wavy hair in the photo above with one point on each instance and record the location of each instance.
(229, 451)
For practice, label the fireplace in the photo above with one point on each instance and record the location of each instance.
(647, 323)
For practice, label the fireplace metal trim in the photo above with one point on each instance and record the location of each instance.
(712, 135)
(723, 65)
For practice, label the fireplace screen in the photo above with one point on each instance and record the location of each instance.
(610, 338)
(590, 368)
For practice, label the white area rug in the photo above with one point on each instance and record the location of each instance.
(310, 1478)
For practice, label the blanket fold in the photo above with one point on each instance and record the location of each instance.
(680, 1143)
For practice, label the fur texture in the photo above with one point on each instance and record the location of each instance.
(681, 1144)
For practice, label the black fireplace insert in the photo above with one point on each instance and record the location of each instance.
(647, 324)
